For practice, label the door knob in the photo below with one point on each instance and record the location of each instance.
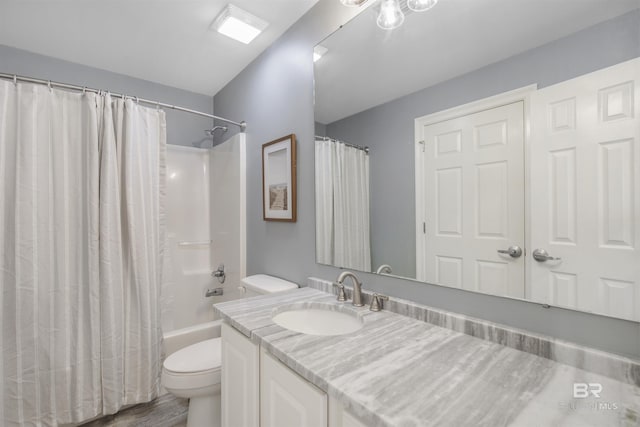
(542, 255)
(512, 251)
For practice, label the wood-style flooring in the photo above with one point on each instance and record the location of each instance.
(166, 411)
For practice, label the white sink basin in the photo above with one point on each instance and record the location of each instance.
(318, 319)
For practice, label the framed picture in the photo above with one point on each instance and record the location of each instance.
(279, 179)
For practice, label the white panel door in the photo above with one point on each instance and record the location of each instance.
(585, 171)
(240, 379)
(473, 201)
(287, 400)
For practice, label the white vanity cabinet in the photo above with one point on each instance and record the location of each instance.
(259, 391)
(288, 400)
(240, 379)
(340, 417)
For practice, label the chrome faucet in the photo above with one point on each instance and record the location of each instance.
(384, 269)
(357, 287)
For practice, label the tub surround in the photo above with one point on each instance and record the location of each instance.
(401, 371)
(181, 338)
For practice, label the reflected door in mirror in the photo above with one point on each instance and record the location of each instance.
(585, 159)
(471, 201)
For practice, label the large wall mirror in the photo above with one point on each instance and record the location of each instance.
(491, 146)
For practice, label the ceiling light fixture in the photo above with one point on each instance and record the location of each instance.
(390, 15)
(238, 24)
(318, 51)
(421, 5)
(353, 3)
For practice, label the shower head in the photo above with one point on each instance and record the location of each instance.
(211, 132)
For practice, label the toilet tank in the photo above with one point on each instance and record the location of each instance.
(260, 284)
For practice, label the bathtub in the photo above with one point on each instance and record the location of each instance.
(180, 338)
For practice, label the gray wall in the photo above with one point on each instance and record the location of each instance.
(320, 129)
(388, 129)
(275, 96)
(182, 128)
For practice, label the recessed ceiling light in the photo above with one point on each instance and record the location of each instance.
(318, 51)
(238, 24)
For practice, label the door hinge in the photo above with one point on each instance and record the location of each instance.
(424, 228)
(423, 144)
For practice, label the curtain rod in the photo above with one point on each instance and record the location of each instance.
(326, 138)
(242, 125)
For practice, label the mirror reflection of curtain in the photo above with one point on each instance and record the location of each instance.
(342, 205)
(81, 240)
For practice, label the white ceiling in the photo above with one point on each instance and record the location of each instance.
(366, 66)
(164, 41)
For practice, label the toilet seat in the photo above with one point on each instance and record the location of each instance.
(181, 381)
(193, 367)
(198, 357)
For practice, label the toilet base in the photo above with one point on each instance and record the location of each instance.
(204, 411)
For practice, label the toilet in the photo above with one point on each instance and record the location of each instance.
(194, 371)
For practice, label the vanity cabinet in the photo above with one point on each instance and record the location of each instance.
(260, 391)
(240, 379)
(286, 399)
(340, 417)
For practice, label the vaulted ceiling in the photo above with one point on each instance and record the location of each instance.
(164, 41)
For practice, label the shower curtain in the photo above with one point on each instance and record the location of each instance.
(342, 205)
(81, 232)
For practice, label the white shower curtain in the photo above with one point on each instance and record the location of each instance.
(342, 205)
(81, 226)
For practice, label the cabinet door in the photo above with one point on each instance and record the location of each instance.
(286, 399)
(240, 376)
(340, 417)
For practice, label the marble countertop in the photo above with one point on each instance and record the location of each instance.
(399, 371)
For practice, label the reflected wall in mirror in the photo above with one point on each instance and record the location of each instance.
(503, 150)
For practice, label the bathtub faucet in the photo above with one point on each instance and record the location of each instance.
(217, 292)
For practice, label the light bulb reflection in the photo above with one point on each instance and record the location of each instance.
(390, 15)
(421, 5)
(352, 3)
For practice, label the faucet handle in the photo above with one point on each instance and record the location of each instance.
(376, 302)
(219, 273)
(342, 295)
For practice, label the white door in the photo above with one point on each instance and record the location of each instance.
(287, 400)
(472, 201)
(585, 186)
(240, 379)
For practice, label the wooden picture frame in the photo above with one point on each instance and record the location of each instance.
(279, 179)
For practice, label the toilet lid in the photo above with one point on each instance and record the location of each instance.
(202, 356)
